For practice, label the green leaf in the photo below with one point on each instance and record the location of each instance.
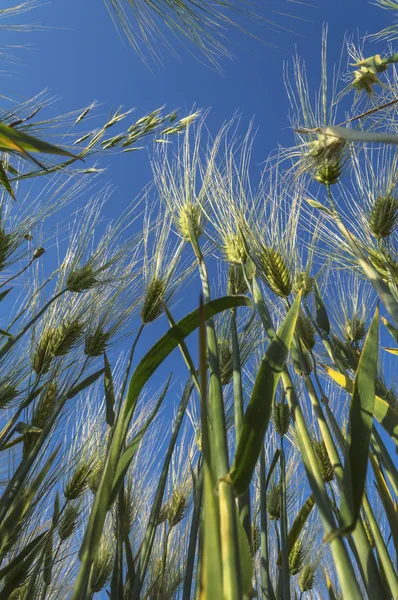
(392, 330)
(12, 140)
(109, 392)
(210, 586)
(259, 409)
(382, 411)
(318, 206)
(132, 447)
(48, 560)
(4, 294)
(5, 181)
(360, 427)
(322, 319)
(2, 332)
(84, 384)
(392, 351)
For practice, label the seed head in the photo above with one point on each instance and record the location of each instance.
(326, 149)
(302, 362)
(325, 158)
(225, 359)
(365, 79)
(323, 460)
(303, 282)
(56, 341)
(256, 539)
(102, 566)
(383, 216)
(234, 249)
(45, 406)
(306, 331)
(80, 280)
(78, 483)
(189, 216)
(296, 558)
(152, 306)
(37, 253)
(69, 521)
(20, 593)
(8, 393)
(354, 329)
(306, 579)
(94, 476)
(44, 354)
(274, 502)
(5, 247)
(175, 507)
(281, 418)
(328, 173)
(96, 342)
(385, 264)
(272, 267)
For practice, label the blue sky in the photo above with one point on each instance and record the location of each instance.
(79, 57)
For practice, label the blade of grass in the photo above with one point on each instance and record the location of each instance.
(258, 411)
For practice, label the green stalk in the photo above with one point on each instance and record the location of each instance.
(267, 591)
(385, 458)
(228, 526)
(284, 529)
(128, 367)
(244, 500)
(184, 351)
(344, 568)
(381, 548)
(147, 545)
(193, 536)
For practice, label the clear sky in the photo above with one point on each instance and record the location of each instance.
(79, 57)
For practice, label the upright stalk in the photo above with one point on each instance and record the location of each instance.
(228, 526)
(267, 591)
(284, 532)
(244, 500)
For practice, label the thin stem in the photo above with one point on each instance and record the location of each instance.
(284, 532)
(128, 367)
(267, 591)
(244, 500)
(193, 537)
(18, 274)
